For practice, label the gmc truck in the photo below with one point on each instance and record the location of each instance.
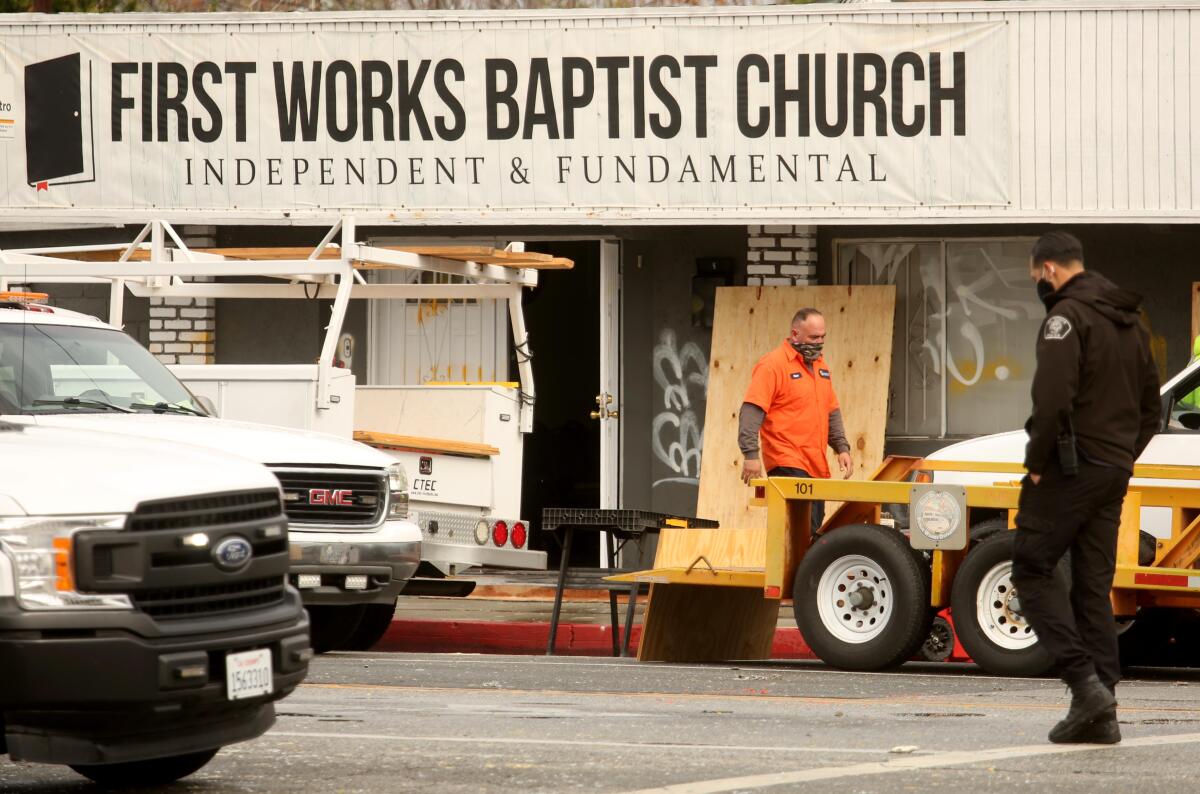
(145, 616)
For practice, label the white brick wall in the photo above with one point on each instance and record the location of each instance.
(781, 255)
(183, 330)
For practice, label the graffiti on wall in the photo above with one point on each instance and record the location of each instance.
(681, 373)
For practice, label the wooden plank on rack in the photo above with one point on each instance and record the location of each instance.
(751, 321)
(418, 444)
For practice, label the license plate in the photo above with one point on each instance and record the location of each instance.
(248, 674)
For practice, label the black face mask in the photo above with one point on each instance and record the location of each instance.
(1044, 290)
(811, 352)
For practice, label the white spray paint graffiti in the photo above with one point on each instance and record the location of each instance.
(677, 433)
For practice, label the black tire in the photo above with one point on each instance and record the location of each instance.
(985, 529)
(905, 602)
(939, 645)
(151, 772)
(376, 620)
(977, 637)
(330, 627)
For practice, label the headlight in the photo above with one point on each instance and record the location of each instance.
(41, 550)
(398, 487)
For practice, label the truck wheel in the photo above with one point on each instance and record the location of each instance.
(861, 598)
(330, 627)
(376, 620)
(987, 611)
(151, 772)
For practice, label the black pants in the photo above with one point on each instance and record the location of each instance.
(1080, 514)
(818, 508)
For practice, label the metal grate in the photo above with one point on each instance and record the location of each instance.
(333, 496)
(206, 512)
(208, 600)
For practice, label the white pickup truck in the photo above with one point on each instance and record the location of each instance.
(1176, 444)
(1157, 636)
(145, 617)
(352, 546)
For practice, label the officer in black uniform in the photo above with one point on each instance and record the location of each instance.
(1095, 408)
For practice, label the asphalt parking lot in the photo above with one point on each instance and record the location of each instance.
(369, 722)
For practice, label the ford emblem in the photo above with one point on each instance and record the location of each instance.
(232, 553)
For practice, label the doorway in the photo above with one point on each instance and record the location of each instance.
(562, 454)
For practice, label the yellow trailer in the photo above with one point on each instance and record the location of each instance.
(865, 594)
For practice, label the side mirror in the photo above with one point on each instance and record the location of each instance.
(207, 404)
(1190, 420)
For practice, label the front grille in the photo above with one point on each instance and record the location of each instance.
(165, 560)
(206, 512)
(333, 497)
(208, 600)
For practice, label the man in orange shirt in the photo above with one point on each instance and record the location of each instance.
(791, 405)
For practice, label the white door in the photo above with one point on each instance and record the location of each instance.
(609, 402)
(610, 374)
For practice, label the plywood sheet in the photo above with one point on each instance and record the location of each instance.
(698, 623)
(723, 548)
(751, 321)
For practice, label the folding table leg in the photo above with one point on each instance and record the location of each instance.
(612, 597)
(630, 612)
(558, 591)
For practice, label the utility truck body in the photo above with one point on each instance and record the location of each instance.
(460, 444)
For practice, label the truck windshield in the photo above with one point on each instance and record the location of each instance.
(70, 369)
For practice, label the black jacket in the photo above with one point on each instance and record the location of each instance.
(1093, 363)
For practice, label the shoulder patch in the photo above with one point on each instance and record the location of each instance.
(795, 376)
(824, 373)
(1057, 327)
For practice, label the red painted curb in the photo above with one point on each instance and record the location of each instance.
(574, 639)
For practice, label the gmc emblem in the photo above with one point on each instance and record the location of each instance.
(324, 496)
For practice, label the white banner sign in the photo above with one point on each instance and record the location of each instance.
(488, 123)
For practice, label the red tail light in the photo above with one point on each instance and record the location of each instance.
(499, 533)
(519, 535)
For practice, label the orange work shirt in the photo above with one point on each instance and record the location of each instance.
(798, 400)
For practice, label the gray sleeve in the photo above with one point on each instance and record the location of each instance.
(750, 419)
(837, 432)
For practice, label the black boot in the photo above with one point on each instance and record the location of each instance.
(1104, 730)
(1090, 700)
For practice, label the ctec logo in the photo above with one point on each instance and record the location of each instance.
(232, 553)
(426, 465)
(325, 496)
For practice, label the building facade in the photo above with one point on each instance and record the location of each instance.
(669, 153)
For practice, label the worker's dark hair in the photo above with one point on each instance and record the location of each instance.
(1058, 247)
(803, 315)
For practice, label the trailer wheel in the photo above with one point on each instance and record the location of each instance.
(861, 598)
(985, 529)
(376, 620)
(987, 611)
(151, 772)
(330, 627)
